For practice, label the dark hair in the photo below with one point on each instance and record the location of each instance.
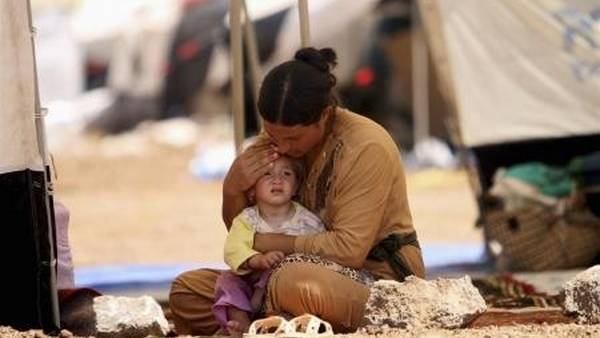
(298, 168)
(298, 91)
(300, 172)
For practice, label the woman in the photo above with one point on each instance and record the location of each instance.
(355, 183)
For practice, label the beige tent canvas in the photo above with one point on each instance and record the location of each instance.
(521, 79)
(29, 296)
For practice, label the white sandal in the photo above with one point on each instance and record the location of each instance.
(308, 325)
(273, 326)
(303, 326)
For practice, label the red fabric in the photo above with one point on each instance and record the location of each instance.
(508, 318)
(187, 50)
(364, 77)
(65, 295)
(527, 288)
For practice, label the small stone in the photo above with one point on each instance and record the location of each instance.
(582, 296)
(65, 334)
(417, 303)
(125, 317)
(39, 334)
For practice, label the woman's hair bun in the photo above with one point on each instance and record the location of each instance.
(323, 59)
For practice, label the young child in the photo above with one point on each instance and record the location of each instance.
(239, 292)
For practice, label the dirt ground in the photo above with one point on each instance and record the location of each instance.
(135, 201)
(139, 209)
(529, 331)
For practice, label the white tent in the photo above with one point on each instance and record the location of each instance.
(518, 70)
(18, 138)
(521, 79)
(29, 296)
(522, 83)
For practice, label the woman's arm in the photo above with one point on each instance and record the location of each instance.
(233, 203)
(361, 198)
(243, 174)
(274, 242)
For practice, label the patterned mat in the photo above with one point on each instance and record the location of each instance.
(511, 301)
(504, 291)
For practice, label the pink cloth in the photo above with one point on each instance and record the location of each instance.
(65, 277)
(235, 290)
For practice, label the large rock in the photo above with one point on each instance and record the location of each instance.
(417, 303)
(582, 296)
(125, 317)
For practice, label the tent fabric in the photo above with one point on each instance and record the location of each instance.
(523, 70)
(18, 142)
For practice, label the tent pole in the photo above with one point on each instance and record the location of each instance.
(39, 114)
(420, 79)
(304, 23)
(237, 72)
(253, 61)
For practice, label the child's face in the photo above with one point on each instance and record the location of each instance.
(278, 185)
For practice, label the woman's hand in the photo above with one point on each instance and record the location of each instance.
(274, 242)
(248, 167)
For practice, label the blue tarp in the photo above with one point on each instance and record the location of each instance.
(112, 277)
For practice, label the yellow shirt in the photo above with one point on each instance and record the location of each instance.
(240, 239)
(238, 244)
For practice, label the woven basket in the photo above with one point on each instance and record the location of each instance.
(538, 239)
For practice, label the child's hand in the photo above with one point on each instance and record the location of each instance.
(265, 261)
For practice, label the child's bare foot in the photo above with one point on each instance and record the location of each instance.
(221, 332)
(239, 321)
(235, 328)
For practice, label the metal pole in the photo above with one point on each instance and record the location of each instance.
(420, 79)
(304, 23)
(54, 320)
(253, 61)
(237, 72)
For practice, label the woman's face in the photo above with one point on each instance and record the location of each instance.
(296, 141)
